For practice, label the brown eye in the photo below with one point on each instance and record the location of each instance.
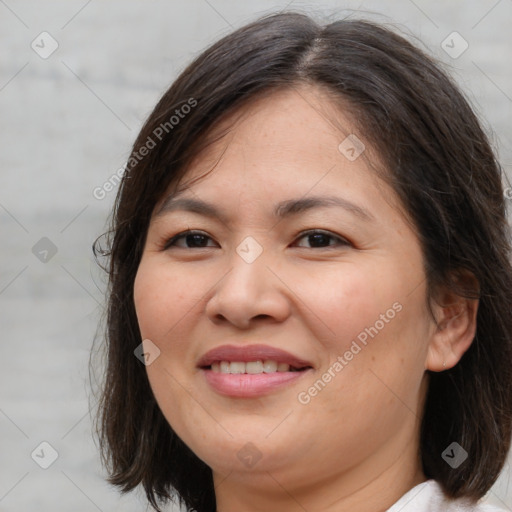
(321, 239)
(189, 240)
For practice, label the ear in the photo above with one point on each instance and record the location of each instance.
(456, 325)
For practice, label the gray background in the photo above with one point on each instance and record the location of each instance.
(66, 125)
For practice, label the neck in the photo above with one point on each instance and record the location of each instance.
(373, 486)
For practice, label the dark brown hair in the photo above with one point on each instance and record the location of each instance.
(441, 166)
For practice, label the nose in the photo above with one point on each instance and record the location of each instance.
(249, 293)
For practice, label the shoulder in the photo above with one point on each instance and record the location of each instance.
(488, 508)
(429, 497)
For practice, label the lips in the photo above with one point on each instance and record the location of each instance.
(236, 371)
(249, 353)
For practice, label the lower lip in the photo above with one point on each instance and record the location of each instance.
(246, 385)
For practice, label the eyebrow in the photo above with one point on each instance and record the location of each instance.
(283, 209)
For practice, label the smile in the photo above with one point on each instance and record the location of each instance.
(251, 371)
(252, 367)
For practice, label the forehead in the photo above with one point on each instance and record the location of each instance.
(294, 126)
(290, 142)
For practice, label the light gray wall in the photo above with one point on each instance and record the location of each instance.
(66, 125)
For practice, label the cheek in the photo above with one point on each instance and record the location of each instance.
(341, 305)
(161, 304)
(373, 322)
(162, 298)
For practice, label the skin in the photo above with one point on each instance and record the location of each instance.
(355, 444)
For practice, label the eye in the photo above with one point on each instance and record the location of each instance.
(321, 239)
(198, 239)
(189, 240)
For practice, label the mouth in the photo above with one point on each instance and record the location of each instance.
(251, 371)
(253, 367)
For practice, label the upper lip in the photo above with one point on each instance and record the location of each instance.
(248, 353)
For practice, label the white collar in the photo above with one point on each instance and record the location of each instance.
(429, 497)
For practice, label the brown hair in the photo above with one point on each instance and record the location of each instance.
(441, 166)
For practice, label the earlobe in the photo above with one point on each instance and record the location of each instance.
(453, 334)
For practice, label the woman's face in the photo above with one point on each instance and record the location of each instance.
(299, 261)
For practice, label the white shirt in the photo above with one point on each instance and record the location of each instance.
(429, 497)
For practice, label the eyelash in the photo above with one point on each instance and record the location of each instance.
(172, 241)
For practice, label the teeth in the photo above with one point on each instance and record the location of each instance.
(251, 367)
(254, 367)
(237, 368)
(270, 366)
(283, 367)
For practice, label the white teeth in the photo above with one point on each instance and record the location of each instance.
(254, 367)
(237, 368)
(270, 366)
(251, 367)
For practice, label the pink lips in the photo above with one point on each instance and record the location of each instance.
(250, 353)
(250, 385)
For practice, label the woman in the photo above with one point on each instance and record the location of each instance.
(310, 283)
